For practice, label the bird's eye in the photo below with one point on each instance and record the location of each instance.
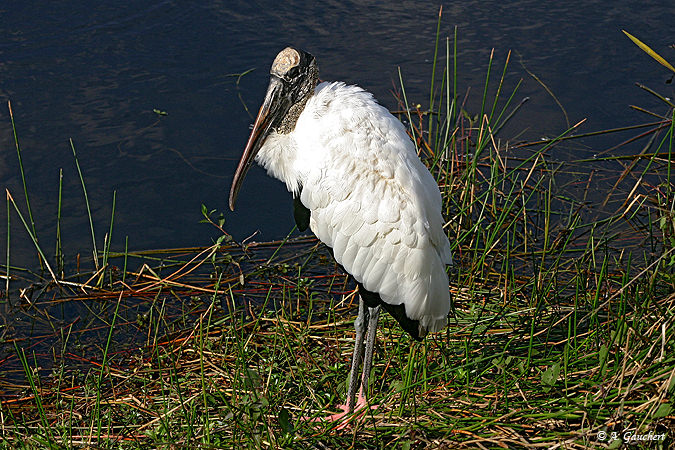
(292, 73)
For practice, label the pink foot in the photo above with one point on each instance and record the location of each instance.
(344, 418)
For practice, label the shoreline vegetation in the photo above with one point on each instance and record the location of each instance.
(562, 333)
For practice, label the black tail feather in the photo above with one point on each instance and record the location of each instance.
(373, 299)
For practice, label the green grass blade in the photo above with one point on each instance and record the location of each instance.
(407, 108)
(36, 393)
(86, 201)
(59, 246)
(106, 248)
(31, 234)
(433, 70)
(7, 275)
(126, 256)
(104, 364)
(23, 175)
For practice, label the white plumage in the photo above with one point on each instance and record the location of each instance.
(371, 198)
(368, 196)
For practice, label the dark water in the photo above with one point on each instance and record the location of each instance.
(95, 74)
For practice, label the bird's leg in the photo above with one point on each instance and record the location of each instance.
(365, 321)
(374, 314)
(357, 357)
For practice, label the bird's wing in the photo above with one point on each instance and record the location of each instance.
(378, 207)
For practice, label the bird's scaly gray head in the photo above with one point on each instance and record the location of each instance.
(299, 74)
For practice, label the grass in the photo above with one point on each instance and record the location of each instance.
(563, 325)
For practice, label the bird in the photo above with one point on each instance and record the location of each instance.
(359, 185)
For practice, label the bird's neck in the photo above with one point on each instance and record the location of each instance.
(291, 117)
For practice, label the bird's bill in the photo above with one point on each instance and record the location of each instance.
(271, 109)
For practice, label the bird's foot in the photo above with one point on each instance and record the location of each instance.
(344, 418)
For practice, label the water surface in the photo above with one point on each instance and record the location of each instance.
(96, 73)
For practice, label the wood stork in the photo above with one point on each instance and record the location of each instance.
(358, 183)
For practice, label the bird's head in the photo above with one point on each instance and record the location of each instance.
(293, 77)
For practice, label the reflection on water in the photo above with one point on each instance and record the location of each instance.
(95, 74)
